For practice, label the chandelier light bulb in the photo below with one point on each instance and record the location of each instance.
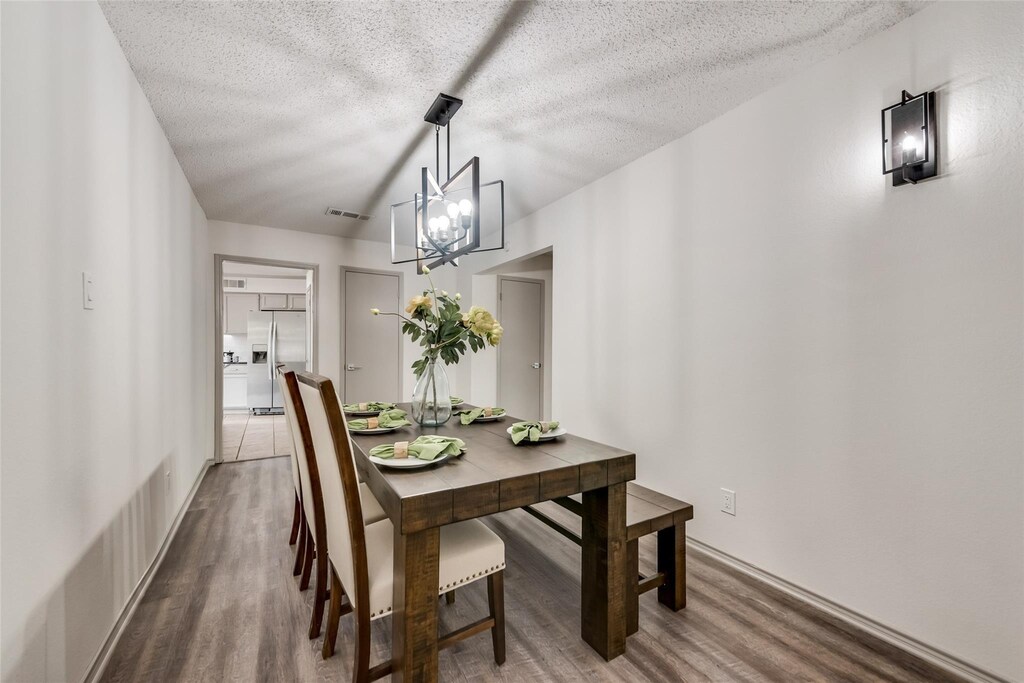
(466, 207)
(453, 210)
(443, 222)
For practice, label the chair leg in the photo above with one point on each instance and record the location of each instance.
(320, 597)
(496, 602)
(300, 551)
(672, 563)
(449, 597)
(307, 561)
(361, 665)
(333, 615)
(632, 587)
(296, 515)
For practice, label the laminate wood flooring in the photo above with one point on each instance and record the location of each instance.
(225, 607)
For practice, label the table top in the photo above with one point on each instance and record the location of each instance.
(493, 475)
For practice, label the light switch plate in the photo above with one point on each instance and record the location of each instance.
(88, 291)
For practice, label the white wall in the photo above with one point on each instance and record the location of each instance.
(106, 422)
(330, 253)
(845, 355)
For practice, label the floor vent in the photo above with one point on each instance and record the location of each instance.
(331, 211)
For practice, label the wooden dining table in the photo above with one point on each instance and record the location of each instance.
(492, 476)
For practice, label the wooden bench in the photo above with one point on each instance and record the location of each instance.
(647, 512)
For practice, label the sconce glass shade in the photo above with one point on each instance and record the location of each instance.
(908, 138)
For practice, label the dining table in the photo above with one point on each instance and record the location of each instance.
(494, 475)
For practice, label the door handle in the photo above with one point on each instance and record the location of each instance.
(351, 367)
(535, 366)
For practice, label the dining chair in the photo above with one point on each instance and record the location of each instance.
(313, 545)
(361, 557)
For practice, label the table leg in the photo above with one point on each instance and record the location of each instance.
(672, 563)
(603, 615)
(414, 620)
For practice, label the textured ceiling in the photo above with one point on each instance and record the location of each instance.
(278, 110)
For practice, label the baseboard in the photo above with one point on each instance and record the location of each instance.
(99, 663)
(901, 640)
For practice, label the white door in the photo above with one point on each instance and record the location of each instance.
(372, 342)
(521, 352)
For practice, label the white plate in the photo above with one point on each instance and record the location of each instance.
(364, 413)
(547, 436)
(409, 463)
(456, 405)
(378, 430)
(492, 418)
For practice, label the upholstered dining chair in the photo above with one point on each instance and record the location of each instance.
(313, 546)
(361, 555)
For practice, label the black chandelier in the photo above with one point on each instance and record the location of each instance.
(446, 216)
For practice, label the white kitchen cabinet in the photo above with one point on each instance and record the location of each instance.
(235, 395)
(273, 302)
(237, 307)
(296, 302)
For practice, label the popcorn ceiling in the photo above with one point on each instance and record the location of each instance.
(277, 110)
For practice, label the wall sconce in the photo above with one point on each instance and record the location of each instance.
(908, 139)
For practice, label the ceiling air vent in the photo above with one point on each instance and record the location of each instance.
(331, 211)
(230, 283)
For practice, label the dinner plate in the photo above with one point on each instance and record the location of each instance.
(407, 463)
(362, 413)
(547, 436)
(492, 418)
(378, 430)
(456, 405)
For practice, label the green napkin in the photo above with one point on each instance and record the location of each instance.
(455, 400)
(469, 415)
(427, 447)
(386, 420)
(531, 430)
(375, 406)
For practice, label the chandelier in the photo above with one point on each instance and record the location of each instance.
(446, 216)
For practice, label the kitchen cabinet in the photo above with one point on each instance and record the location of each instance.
(237, 307)
(282, 302)
(273, 302)
(235, 390)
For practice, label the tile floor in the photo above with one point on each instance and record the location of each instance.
(250, 437)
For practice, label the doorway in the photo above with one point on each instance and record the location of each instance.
(521, 306)
(265, 317)
(371, 354)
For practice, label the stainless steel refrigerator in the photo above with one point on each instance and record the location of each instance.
(275, 337)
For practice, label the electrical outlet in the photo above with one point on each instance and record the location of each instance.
(88, 291)
(729, 502)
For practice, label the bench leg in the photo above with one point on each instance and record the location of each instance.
(632, 586)
(672, 563)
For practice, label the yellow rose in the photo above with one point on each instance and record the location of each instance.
(494, 338)
(418, 302)
(479, 321)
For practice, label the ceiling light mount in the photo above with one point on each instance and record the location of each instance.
(442, 110)
(447, 216)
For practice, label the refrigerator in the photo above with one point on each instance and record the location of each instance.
(275, 338)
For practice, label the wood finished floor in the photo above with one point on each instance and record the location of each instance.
(250, 437)
(225, 607)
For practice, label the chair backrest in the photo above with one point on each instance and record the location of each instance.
(303, 460)
(339, 484)
(296, 476)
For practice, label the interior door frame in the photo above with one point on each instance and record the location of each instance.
(218, 330)
(543, 365)
(344, 322)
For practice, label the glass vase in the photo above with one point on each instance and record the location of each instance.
(431, 400)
